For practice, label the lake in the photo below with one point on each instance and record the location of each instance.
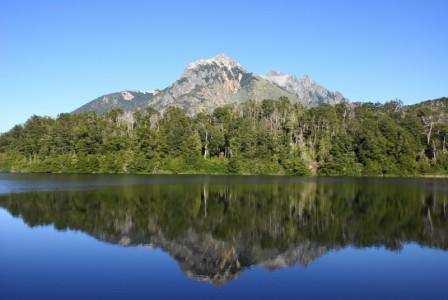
(222, 237)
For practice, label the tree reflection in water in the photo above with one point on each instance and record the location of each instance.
(215, 230)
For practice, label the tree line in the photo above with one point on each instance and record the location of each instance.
(267, 137)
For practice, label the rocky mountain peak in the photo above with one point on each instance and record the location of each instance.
(209, 72)
(306, 80)
(204, 85)
(279, 78)
(307, 90)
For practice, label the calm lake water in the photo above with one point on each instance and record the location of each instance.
(217, 237)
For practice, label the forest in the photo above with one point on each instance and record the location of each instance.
(272, 137)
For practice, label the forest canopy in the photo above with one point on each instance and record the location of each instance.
(268, 137)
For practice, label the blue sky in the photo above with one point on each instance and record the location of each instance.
(57, 55)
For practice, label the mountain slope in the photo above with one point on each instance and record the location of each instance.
(126, 100)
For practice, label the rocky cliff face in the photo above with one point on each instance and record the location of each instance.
(210, 83)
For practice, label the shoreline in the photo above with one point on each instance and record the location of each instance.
(416, 176)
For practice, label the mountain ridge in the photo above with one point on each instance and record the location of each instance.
(206, 84)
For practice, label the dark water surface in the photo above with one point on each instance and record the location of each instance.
(216, 237)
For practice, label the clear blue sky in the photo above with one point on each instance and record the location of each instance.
(57, 55)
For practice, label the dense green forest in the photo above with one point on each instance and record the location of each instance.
(268, 137)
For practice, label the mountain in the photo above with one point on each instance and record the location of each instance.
(209, 83)
(309, 93)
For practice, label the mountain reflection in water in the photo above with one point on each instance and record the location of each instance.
(216, 230)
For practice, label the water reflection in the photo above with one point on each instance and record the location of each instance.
(215, 230)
